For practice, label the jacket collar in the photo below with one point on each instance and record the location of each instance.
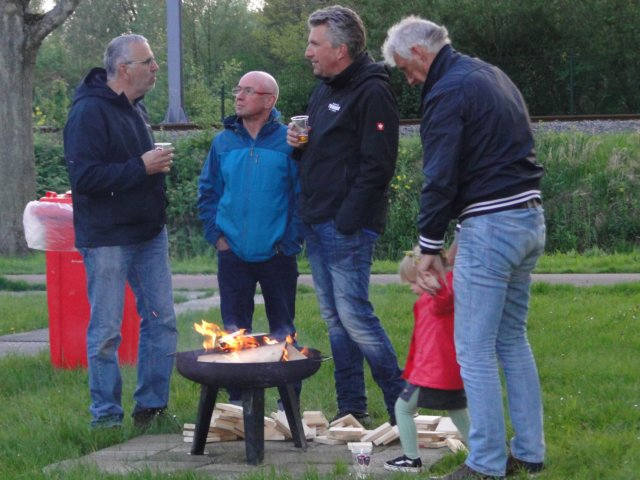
(444, 60)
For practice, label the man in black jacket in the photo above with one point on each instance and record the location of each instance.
(118, 185)
(480, 167)
(345, 171)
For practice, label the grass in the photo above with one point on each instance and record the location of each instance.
(592, 261)
(586, 342)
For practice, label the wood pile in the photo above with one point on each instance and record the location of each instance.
(227, 424)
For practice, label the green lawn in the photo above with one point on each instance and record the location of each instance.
(586, 342)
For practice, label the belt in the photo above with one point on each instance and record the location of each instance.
(533, 203)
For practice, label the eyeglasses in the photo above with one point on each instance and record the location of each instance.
(248, 91)
(147, 62)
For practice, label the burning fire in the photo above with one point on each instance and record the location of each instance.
(216, 337)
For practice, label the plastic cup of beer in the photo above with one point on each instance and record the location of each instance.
(301, 123)
(162, 145)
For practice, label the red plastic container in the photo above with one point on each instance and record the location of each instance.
(69, 304)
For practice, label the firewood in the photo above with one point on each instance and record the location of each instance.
(455, 445)
(326, 440)
(346, 433)
(262, 354)
(371, 435)
(346, 421)
(315, 419)
(447, 428)
(229, 409)
(390, 436)
(428, 421)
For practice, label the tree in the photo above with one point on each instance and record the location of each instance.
(22, 31)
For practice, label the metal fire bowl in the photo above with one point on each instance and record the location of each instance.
(247, 375)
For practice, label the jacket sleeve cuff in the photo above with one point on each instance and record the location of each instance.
(429, 246)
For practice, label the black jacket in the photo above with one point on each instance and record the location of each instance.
(346, 167)
(479, 154)
(115, 202)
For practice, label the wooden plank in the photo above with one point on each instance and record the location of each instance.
(371, 435)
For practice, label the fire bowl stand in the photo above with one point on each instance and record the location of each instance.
(253, 413)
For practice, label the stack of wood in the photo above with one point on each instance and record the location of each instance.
(227, 424)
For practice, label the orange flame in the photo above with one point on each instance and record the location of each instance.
(216, 337)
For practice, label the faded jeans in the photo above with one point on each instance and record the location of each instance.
(341, 267)
(145, 266)
(492, 276)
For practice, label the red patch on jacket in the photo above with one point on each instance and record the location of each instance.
(380, 126)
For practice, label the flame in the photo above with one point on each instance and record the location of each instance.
(216, 337)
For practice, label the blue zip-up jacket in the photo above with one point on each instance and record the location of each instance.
(249, 189)
(115, 202)
(479, 154)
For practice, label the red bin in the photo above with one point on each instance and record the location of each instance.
(68, 300)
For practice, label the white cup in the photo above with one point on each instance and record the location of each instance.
(361, 454)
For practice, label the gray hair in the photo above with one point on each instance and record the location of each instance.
(410, 32)
(343, 26)
(118, 51)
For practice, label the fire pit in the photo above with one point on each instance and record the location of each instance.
(212, 373)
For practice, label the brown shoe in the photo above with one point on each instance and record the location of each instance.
(464, 473)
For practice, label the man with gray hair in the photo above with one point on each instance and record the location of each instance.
(480, 167)
(345, 171)
(119, 201)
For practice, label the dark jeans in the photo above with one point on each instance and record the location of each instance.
(237, 280)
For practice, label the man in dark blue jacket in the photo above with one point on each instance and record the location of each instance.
(118, 186)
(480, 167)
(345, 171)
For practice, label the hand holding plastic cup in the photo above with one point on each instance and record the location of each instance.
(162, 145)
(301, 123)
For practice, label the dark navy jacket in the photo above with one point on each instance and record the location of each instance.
(479, 154)
(346, 167)
(115, 202)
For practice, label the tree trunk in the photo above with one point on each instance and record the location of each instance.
(22, 34)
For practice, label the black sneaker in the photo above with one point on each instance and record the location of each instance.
(107, 422)
(145, 418)
(362, 417)
(464, 473)
(515, 466)
(404, 464)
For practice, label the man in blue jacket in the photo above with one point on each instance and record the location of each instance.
(345, 171)
(480, 167)
(247, 201)
(118, 185)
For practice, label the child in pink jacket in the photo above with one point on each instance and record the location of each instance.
(432, 373)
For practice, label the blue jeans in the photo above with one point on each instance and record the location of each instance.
(492, 276)
(278, 279)
(341, 266)
(145, 266)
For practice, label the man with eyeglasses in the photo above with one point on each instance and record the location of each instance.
(247, 201)
(119, 201)
(345, 171)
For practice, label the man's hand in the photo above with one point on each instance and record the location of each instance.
(222, 245)
(292, 136)
(431, 268)
(158, 160)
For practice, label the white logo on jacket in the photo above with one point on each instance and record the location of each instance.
(334, 107)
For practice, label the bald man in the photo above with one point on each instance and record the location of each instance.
(247, 201)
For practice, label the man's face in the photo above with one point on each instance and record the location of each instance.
(254, 97)
(324, 58)
(142, 69)
(414, 69)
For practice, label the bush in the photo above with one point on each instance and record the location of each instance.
(589, 190)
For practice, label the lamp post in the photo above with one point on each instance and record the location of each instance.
(175, 111)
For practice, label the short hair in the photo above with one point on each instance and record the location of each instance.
(118, 51)
(343, 26)
(410, 32)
